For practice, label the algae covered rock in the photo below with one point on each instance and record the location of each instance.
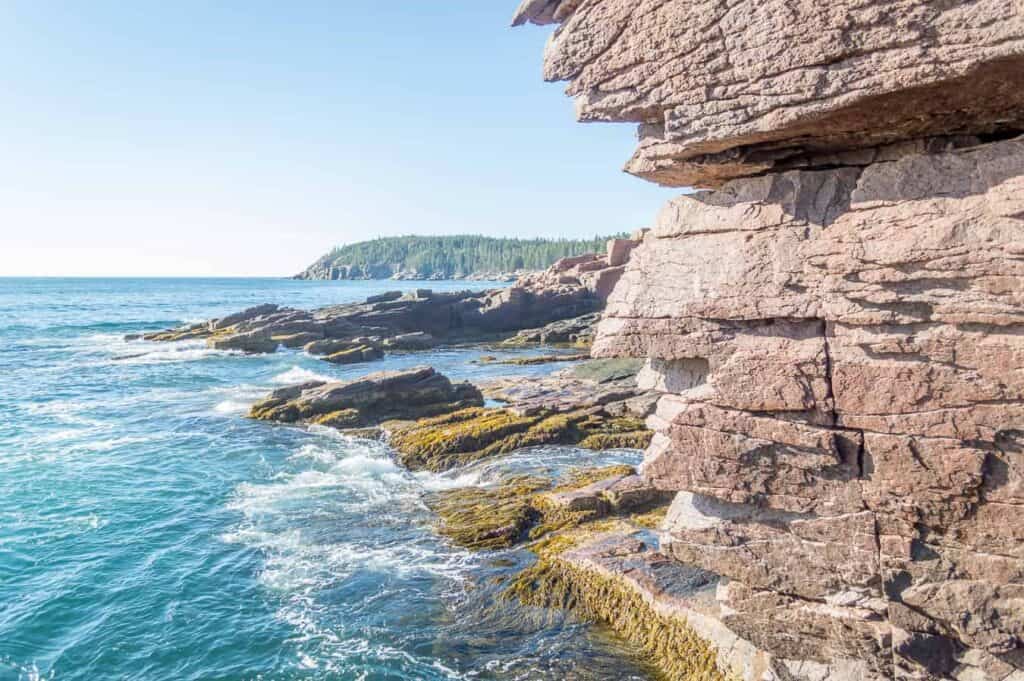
(367, 401)
(665, 609)
(460, 437)
(520, 507)
(488, 517)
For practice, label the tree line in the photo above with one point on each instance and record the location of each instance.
(448, 256)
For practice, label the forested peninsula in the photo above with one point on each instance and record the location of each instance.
(445, 257)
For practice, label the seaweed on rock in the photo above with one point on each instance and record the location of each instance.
(464, 436)
(558, 579)
(521, 507)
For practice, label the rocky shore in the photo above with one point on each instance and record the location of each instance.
(820, 350)
(433, 424)
(560, 304)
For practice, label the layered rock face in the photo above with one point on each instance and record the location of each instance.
(724, 89)
(839, 324)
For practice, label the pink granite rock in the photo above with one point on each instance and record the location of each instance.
(731, 89)
(840, 325)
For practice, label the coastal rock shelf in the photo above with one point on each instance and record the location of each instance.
(560, 304)
(436, 425)
(837, 327)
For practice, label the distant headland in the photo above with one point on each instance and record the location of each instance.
(446, 257)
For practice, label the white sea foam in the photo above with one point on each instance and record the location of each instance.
(113, 443)
(178, 353)
(232, 407)
(435, 482)
(28, 672)
(360, 482)
(298, 374)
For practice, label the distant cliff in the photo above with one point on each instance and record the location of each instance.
(444, 257)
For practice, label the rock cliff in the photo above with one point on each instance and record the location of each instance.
(838, 321)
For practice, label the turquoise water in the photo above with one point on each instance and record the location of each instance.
(149, 531)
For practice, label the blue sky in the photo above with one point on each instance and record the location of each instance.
(246, 138)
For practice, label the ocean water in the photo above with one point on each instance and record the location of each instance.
(149, 531)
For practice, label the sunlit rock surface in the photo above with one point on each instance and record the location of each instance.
(839, 324)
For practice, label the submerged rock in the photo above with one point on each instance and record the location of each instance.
(369, 400)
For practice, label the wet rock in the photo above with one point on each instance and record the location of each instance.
(417, 340)
(367, 401)
(495, 517)
(577, 331)
(520, 507)
(666, 610)
(461, 437)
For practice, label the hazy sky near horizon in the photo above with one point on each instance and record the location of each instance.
(247, 138)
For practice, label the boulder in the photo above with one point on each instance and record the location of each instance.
(619, 250)
(369, 400)
(416, 340)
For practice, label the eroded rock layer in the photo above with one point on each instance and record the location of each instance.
(839, 326)
(724, 89)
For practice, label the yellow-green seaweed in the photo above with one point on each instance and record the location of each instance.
(668, 643)
(467, 435)
(487, 517)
